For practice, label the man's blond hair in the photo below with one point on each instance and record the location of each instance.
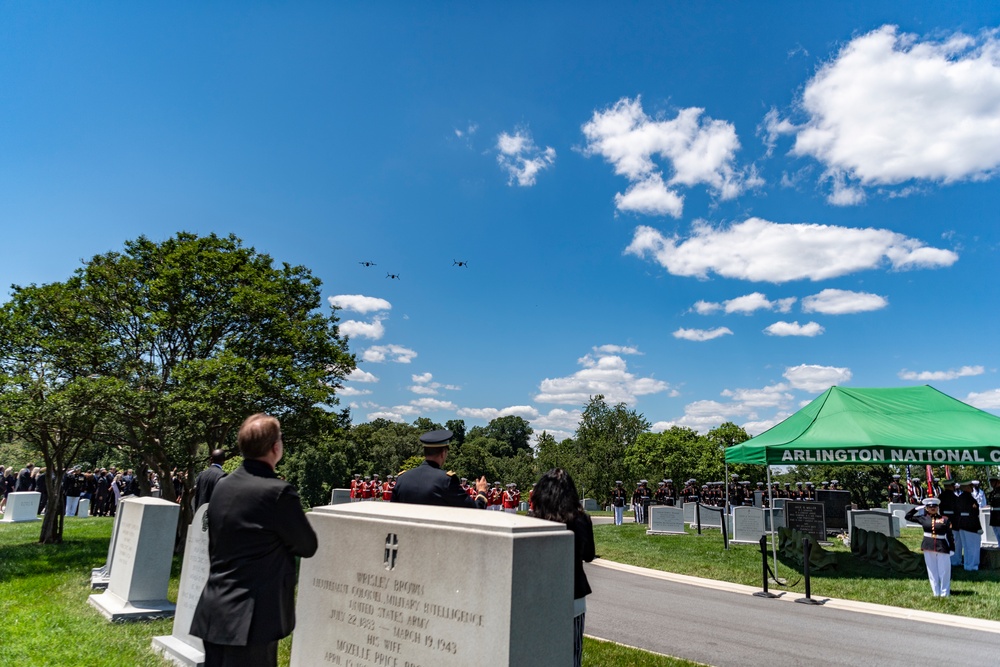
(257, 435)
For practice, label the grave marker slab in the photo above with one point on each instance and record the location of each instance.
(779, 519)
(876, 521)
(83, 509)
(137, 588)
(407, 591)
(666, 520)
(181, 647)
(100, 576)
(22, 507)
(590, 505)
(748, 525)
(688, 509)
(339, 496)
(711, 517)
(834, 507)
(806, 517)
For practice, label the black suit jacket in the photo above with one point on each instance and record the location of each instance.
(256, 527)
(205, 484)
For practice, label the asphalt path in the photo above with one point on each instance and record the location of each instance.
(722, 628)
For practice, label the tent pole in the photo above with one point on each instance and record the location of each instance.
(726, 478)
(774, 529)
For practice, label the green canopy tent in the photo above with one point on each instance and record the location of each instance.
(904, 425)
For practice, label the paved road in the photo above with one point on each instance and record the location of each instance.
(722, 628)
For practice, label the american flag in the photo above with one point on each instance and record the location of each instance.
(911, 493)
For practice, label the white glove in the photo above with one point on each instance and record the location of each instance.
(951, 553)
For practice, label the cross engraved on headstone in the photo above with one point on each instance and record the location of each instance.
(391, 549)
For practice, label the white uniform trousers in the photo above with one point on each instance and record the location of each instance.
(72, 504)
(971, 543)
(619, 511)
(939, 573)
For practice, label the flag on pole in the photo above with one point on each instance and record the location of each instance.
(911, 493)
(930, 483)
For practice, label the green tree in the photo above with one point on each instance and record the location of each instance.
(604, 436)
(512, 432)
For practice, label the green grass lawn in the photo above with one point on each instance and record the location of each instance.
(975, 594)
(45, 619)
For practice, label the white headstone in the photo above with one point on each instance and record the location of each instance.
(688, 509)
(144, 550)
(711, 517)
(339, 496)
(101, 576)
(590, 505)
(666, 520)
(395, 584)
(181, 647)
(748, 525)
(22, 506)
(874, 521)
(989, 537)
(779, 519)
(83, 509)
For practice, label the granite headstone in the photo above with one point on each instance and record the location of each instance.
(666, 520)
(22, 507)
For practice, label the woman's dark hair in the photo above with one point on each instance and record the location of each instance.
(555, 497)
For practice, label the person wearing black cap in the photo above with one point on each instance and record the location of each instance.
(968, 526)
(428, 484)
(205, 483)
(938, 543)
(618, 501)
(994, 502)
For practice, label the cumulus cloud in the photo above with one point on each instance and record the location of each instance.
(697, 150)
(841, 302)
(357, 329)
(616, 349)
(353, 391)
(986, 400)
(425, 387)
(809, 329)
(934, 376)
(771, 396)
(358, 375)
(892, 107)
(423, 377)
(521, 158)
(743, 405)
(816, 379)
(387, 415)
(432, 404)
(607, 375)
(359, 303)
(380, 353)
(759, 250)
(746, 304)
(489, 414)
(700, 335)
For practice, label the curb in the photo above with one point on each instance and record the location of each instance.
(965, 622)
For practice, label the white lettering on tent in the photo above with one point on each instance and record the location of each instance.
(940, 455)
(840, 455)
(995, 455)
(898, 454)
(865, 455)
(954, 456)
(978, 456)
(878, 455)
(786, 455)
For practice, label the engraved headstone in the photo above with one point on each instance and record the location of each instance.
(666, 520)
(806, 517)
(22, 506)
(407, 592)
(144, 550)
(711, 517)
(748, 525)
(100, 576)
(339, 496)
(900, 510)
(181, 647)
(875, 521)
(989, 537)
(590, 505)
(83, 509)
(834, 507)
(688, 509)
(779, 519)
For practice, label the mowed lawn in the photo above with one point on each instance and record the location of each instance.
(45, 619)
(975, 594)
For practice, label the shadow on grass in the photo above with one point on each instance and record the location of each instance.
(32, 559)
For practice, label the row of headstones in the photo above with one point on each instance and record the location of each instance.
(22, 507)
(399, 595)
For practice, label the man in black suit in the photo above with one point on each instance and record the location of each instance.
(24, 478)
(256, 528)
(208, 478)
(428, 484)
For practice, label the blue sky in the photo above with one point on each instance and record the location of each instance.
(710, 211)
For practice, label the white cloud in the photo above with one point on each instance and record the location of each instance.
(357, 329)
(701, 335)
(358, 375)
(986, 400)
(425, 387)
(353, 391)
(759, 250)
(745, 305)
(607, 375)
(422, 378)
(558, 420)
(841, 302)
(489, 414)
(890, 108)
(432, 404)
(616, 349)
(934, 376)
(381, 353)
(757, 426)
(705, 415)
(521, 158)
(816, 379)
(359, 303)
(385, 414)
(699, 151)
(809, 329)
(771, 396)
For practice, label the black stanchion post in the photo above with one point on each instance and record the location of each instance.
(697, 515)
(763, 558)
(725, 530)
(807, 553)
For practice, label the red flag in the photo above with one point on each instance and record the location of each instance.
(930, 482)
